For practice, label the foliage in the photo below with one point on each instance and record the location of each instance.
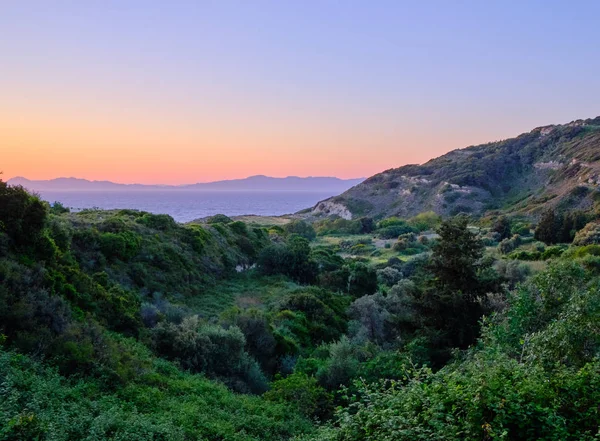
(163, 403)
(218, 352)
(589, 235)
(534, 375)
(219, 219)
(393, 227)
(303, 392)
(292, 259)
(428, 220)
(559, 227)
(502, 227)
(301, 228)
(452, 305)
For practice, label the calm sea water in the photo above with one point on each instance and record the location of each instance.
(185, 206)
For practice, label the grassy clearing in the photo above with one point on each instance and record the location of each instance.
(244, 290)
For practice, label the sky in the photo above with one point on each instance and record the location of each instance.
(194, 91)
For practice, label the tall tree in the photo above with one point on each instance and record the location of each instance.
(502, 227)
(547, 228)
(455, 256)
(450, 307)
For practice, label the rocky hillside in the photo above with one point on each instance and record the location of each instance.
(553, 166)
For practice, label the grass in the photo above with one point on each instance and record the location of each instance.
(244, 290)
(379, 256)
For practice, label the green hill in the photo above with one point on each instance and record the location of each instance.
(554, 166)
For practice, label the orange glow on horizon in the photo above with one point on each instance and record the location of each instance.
(151, 152)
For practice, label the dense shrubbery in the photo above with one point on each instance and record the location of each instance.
(292, 259)
(442, 347)
(218, 352)
(534, 376)
(344, 226)
(160, 403)
(301, 228)
(393, 227)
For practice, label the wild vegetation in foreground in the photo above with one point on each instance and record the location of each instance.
(126, 325)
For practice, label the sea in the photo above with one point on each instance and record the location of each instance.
(186, 206)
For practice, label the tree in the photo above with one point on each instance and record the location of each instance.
(22, 216)
(546, 230)
(292, 259)
(450, 307)
(502, 227)
(455, 255)
(362, 280)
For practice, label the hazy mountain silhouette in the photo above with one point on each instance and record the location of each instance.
(252, 183)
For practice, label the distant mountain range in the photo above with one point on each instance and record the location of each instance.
(252, 183)
(555, 166)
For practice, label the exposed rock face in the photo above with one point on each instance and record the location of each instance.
(330, 208)
(552, 166)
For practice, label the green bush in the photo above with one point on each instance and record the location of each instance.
(525, 255)
(428, 220)
(121, 246)
(292, 259)
(301, 228)
(162, 222)
(211, 349)
(303, 392)
(219, 219)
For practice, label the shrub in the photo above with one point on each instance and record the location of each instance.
(552, 252)
(59, 208)
(162, 222)
(301, 228)
(512, 272)
(219, 219)
(389, 276)
(506, 246)
(22, 216)
(341, 366)
(324, 312)
(303, 392)
(121, 246)
(589, 235)
(362, 279)
(525, 255)
(211, 349)
(292, 259)
(502, 227)
(425, 221)
(339, 226)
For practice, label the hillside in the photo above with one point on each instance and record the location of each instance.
(125, 325)
(554, 166)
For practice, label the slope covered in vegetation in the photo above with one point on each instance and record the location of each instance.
(81, 296)
(127, 325)
(549, 167)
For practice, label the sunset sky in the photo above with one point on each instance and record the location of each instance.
(192, 91)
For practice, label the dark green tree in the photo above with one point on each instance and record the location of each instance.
(547, 228)
(455, 255)
(22, 216)
(450, 307)
(502, 227)
(292, 259)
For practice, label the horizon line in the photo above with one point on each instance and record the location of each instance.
(179, 185)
